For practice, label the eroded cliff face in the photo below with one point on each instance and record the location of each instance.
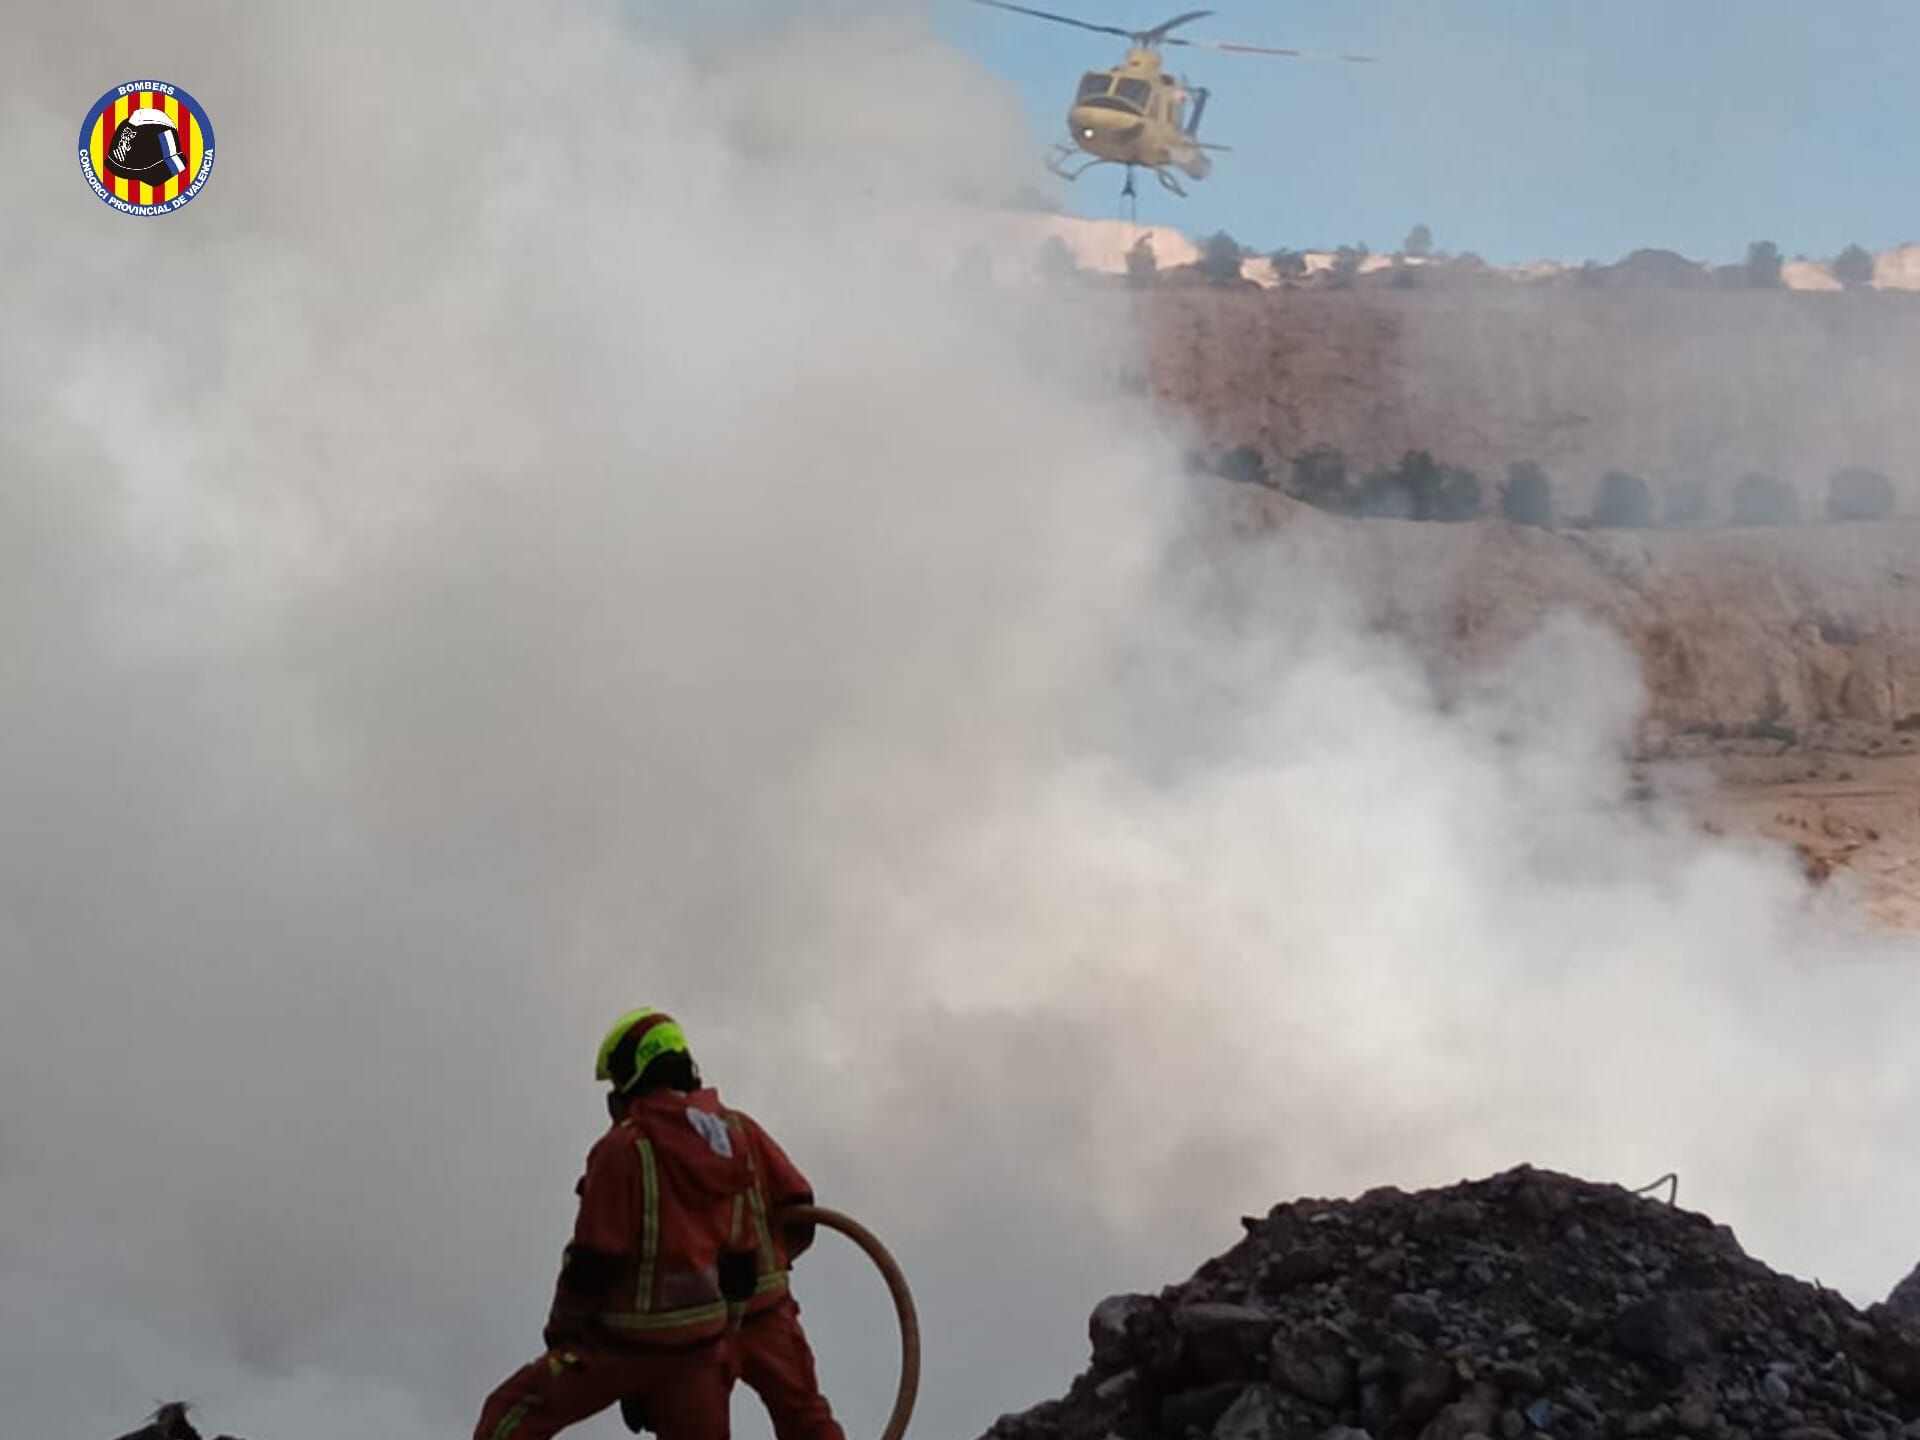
(1780, 667)
(1806, 634)
(1699, 386)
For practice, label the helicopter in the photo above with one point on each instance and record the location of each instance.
(1135, 114)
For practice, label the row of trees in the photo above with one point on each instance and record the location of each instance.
(1422, 488)
(1221, 257)
(1852, 267)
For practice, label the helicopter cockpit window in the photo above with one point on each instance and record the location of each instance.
(1094, 82)
(1134, 92)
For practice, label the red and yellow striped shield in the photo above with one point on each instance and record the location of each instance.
(183, 141)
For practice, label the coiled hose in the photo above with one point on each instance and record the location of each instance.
(902, 1303)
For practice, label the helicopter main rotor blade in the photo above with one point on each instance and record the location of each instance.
(1160, 32)
(1060, 19)
(1235, 49)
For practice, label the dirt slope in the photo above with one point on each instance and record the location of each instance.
(1813, 629)
(1787, 660)
(1670, 384)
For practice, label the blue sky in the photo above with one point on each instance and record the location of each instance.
(1520, 129)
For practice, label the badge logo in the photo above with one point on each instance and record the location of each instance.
(146, 148)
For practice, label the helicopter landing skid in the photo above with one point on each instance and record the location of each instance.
(1058, 157)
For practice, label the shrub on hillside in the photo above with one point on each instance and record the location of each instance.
(1244, 465)
(1346, 265)
(1459, 496)
(1142, 266)
(1319, 478)
(1624, 502)
(1289, 265)
(1763, 265)
(1684, 502)
(1853, 266)
(1857, 493)
(1421, 488)
(1761, 499)
(1220, 258)
(1526, 495)
(1056, 262)
(1419, 243)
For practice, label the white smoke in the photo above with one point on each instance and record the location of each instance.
(543, 533)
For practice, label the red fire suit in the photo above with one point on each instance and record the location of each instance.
(774, 1358)
(639, 1310)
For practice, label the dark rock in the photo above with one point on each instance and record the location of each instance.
(1894, 1359)
(1814, 1326)
(1473, 1414)
(1225, 1341)
(1255, 1415)
(1197, 1409)
(1664, 1327)
(1416, 1314)
(1513, 1375)
(1314, 1366)
(1308, 1265)
(1647, 1422)
(1425, 1386)
(1112, 1329)
(1904, 1302)
(1120, 1387)
(1529, 1306)
(1376, 1407)
(1695, 1414)
(169, 1422)
(1577, 1398)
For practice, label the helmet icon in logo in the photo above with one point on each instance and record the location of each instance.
(147, 147)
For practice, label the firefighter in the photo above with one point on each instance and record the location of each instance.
(663, 1261)
(771, 1352)
(774, 1358)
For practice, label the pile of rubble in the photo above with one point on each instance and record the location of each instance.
(169, 1422)
(1530, 1306)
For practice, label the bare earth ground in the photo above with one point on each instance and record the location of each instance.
(1670, 385)
(1781, 665)
(1852, 820)
(1784, 661)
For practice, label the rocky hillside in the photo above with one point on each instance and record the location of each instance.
(1806, 636)
(1673, 385)
(1523, 1307)
(1787, 659)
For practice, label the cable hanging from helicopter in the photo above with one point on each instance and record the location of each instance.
(1135, 114)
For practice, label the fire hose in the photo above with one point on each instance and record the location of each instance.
(896, 1287)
